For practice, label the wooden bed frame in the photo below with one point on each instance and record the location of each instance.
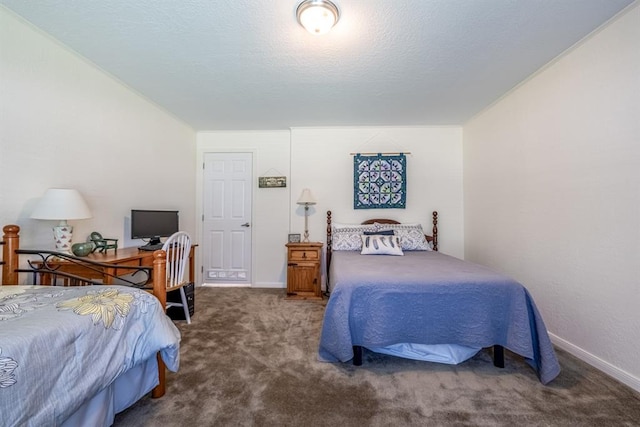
(11, 269)
(498, 350)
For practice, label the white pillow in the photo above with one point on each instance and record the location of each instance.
(380, 245)
(346, 237)
(411, 236)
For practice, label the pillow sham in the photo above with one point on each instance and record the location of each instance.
(346, 237)
(411, 236)
(377, 244)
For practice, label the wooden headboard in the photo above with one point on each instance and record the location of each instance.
(433, 239)
(10, 244)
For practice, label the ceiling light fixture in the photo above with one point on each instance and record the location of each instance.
(317, 16)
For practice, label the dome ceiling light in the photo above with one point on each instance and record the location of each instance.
(317, 16)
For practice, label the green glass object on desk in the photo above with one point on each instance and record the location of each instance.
(102, 244)
(82, 249)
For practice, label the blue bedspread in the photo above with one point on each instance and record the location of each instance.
(430, 298)
(59, 346)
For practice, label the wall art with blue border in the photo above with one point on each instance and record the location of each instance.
(379, 181)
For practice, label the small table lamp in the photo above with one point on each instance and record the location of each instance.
(62, 204)
(306, 199)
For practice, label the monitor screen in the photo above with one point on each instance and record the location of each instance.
(153, 224)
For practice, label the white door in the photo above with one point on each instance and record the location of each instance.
(226, 240)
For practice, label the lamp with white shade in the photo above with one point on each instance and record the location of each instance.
(62, 204)
(306, 199)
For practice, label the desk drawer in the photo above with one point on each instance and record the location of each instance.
(123, 271)
(131, 262)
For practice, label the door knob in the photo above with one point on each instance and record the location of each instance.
(246, 224)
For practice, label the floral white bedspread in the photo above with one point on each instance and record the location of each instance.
(59, 346)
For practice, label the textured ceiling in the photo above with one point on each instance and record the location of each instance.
(247, 64)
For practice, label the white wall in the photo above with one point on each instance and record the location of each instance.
(270, 209)
(65, 123)
(321, 161)
(552, 195)
(318, 158)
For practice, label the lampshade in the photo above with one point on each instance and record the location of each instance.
(61, 204)
(317, 16)
(306, 198)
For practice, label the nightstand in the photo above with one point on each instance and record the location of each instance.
(303, 270)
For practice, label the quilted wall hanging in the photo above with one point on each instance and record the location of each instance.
(379, 181)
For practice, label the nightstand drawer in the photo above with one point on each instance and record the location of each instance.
(304, 255)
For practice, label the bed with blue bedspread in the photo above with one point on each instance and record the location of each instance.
(426, 298)
(78, 355)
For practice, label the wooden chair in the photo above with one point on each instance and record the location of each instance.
(102, 244)
(178, 247)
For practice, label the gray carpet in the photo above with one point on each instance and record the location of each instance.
(249, 359)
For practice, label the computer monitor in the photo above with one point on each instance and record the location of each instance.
(153, 224)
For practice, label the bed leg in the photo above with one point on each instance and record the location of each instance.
(159, 390)
(498, 356)
(357, 355)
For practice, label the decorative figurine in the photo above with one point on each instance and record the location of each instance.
(82, 249)
(102, 244)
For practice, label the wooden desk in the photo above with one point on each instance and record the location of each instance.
(122, 257)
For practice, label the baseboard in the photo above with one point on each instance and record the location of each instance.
(606, 367)
(270, 285)
(225, 285)
(278, 285)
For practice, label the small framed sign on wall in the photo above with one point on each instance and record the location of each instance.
(272, 181)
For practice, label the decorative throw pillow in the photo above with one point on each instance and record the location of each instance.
(380, 245)
(346, 237)
(411, 236)
(380, 233)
